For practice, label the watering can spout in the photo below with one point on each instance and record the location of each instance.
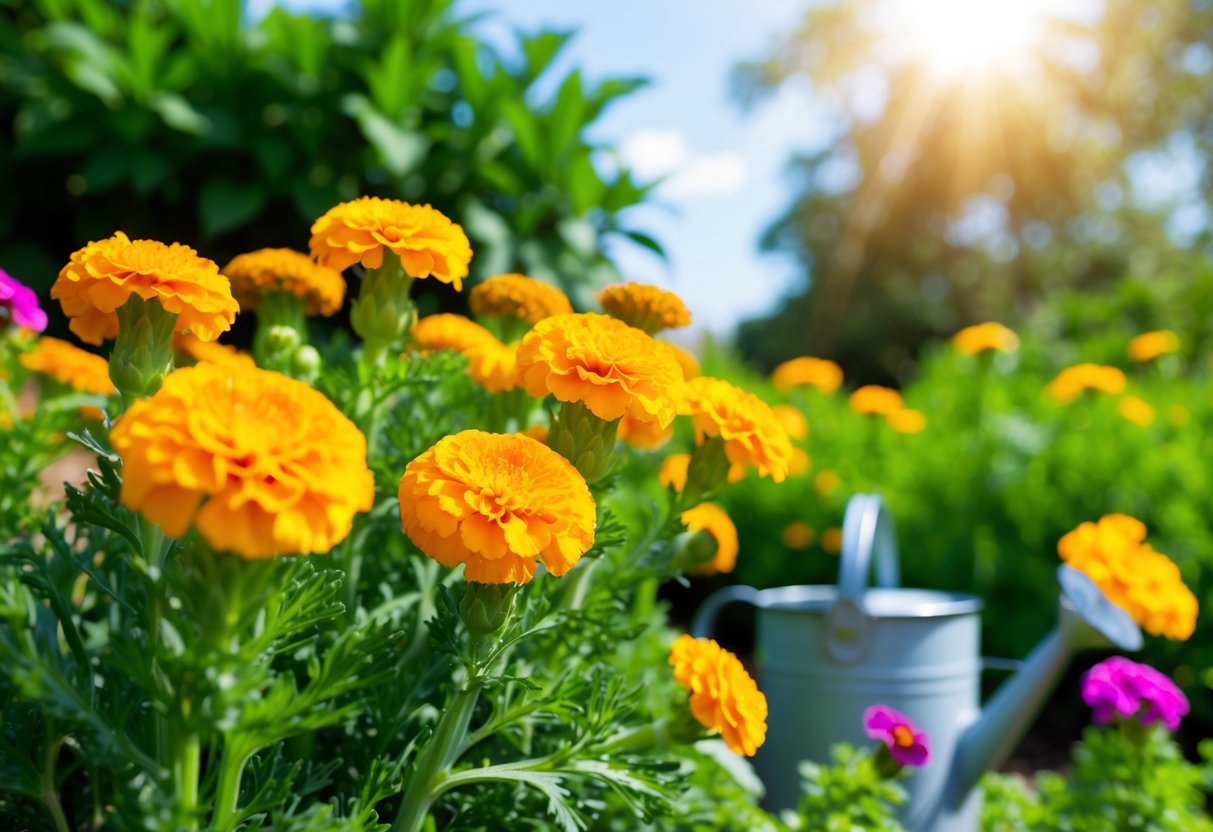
(1086, 620)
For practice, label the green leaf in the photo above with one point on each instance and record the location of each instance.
(399, 149)
(642, 239)
(526, 131)
(224, 204)
(178, 113)
(585, 188)
(541, 49)
(567, 116)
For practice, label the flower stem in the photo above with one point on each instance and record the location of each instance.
(49, 791)
(227, 792)
(187, 766)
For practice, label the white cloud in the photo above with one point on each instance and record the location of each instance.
(654, 153)
(715, 174)
(664, 153)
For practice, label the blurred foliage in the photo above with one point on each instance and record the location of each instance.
(941, 199)
(848, 794)
(179, 120)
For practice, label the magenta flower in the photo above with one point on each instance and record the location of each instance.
(1121, 688)
(906, 744)
(21, 303)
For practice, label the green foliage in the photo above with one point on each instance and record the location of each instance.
(848, 794)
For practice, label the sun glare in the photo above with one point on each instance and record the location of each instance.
(958, 37)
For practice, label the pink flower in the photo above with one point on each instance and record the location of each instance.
(21, 303)
(1118, 687)
(906, 744)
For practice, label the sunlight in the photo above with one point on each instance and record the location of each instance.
(957, 37)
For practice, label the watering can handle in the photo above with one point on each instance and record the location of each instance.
(867, 533)
(703, 623)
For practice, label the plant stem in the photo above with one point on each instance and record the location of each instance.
(187, 767)
(444, 749)
(49, 792)
(227, 793)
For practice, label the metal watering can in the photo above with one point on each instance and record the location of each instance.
(827, 653)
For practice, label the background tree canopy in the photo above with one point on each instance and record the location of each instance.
(177, 120)
(954, 194)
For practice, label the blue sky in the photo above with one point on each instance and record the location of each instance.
(727, 171)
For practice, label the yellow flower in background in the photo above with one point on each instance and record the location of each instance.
(1071, 382)
(983, 337)
(537, 432)
(874, 400)
(1178, 415)
(826, 482)
(725, 699)
(646, 307)
(752, 434)
(363, 230)
(793, 421)
(1131, 574)
(608, 366)
(491, 364)
(101, 276)
(821, 373)
(1150, 345)
(67, 364)
(800, 464)
(685, 359)
(260, 464)
(711, 518)
(673, 471)
(1136, 410)
(518, 296)
(644, 436)
(831, 540)
(907, 421)
(191, 346)
(797, 535)
(291, 272)
(498, 503)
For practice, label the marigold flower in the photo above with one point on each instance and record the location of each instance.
(797, 535)
(102, 275)
(907, 421)
(905, 742)
(1132, 574)
(874, 400)
(644, 436)
(793, 421)
(1150, 345)
(518, 296)
(1117, 687)
(752, 434)
(67, 364)
(426, 241)
(685, 359)
(646, 307)
(673, 472)
(603, 363)
(1072, 381)
(711, 518)
(800, 463)
(1136, 410)
(498, 503)
(821, 373)
(291, 272)
(259, 463)
(982, 337)
(724, 698)
(537, 432)
(21, 303)
(212, 351)
(491, 364)
(831, 540)
(826, 481)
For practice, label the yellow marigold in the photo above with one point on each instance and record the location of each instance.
(724, 698)
(874, 400)
(831, 540)
(603, 363)
(711, 518)
(982, 337)
(1150, 345)
(646, 307)
(800, 464)
(686, 360)
(427, 243)
(673, 471)
(499, 504)
(907, 421)
(68, 364)
(1136, 410)
(797, 535)
(821, 373)
(259, 463)
(518, 296)
(752, 434)
(1072, 381)
(1132, 574)
(284, 270)
(212, 351)
(537, 432)
(793, 420)
(826, 481)
(644, 436)
(102, 275)
(491, 364)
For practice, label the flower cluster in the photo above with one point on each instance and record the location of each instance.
(1072, 382)
(645, 307)
(518, 296)
(284, 270)
(752, 434)
(907, 745)
(984, 338)
(84, 372)
(491, 364)
(1117, 688)
(821, 373)
(1143, 582)
(21, 303)
(724, 697)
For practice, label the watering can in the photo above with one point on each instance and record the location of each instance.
(827, 653)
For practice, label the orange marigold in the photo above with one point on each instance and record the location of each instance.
(752, 434)
(101, 276)
(68, 364)
(831, 540)
(608, 366)
(907, 421)
(426, 241)
(686, 359)
(821, 373)
(800, 464)
(646, 307)
(1072, 381)
(711, 518)
(644, 436)
(673, 471)
(211, 351)
(874, 400)
(797, 535)
(826, 482)
(259, 463)
(724, 698)
(1136, 410)
(984, 337)
(1150, 345)
(498, 503)
(518, 296)
(284, 270)
(793, 420)
(1132, 574)
(491, 364)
